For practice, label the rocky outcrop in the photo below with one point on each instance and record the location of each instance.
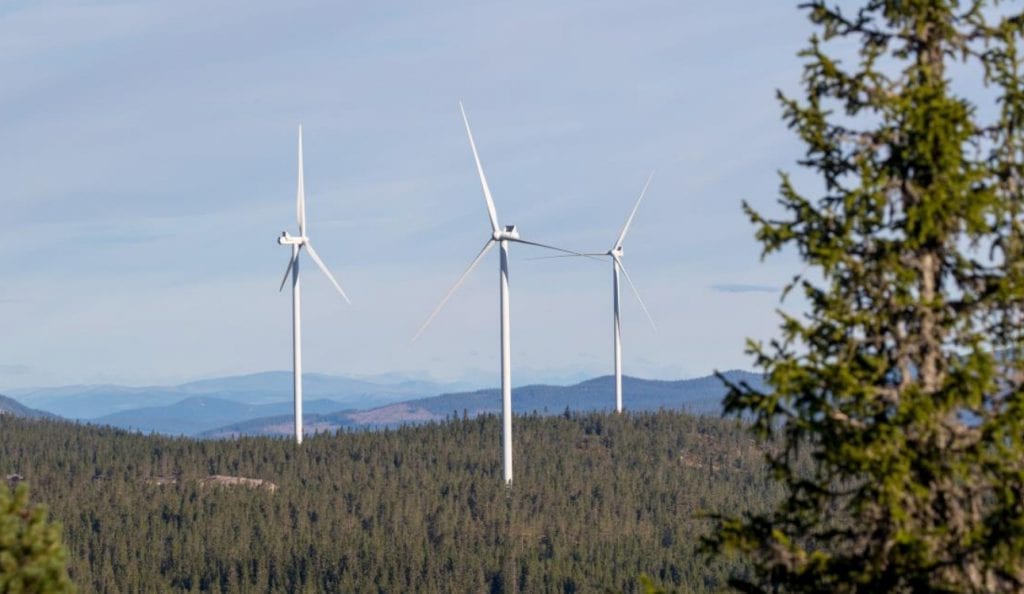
(220, 480)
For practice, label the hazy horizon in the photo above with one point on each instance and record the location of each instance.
(471, 379)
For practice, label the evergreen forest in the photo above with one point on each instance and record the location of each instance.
(599, 501)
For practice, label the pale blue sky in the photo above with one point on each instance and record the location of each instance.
(148, 160)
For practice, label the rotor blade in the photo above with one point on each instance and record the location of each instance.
(490, 243)
(287, 271)
(589, 255)
(551, 247)
(637, 293)
(320, 263)
(625, 228)
(301, 192)
(480, 169)
(560, 256)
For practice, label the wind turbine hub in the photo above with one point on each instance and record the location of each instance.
(616, 251)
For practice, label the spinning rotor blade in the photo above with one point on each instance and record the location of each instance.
(551, 247)
(637, 293)
(490, 243)
(480, 169)
(592, 255)
(287, 271)
(629, 221)
(301, 193)
(323, 267)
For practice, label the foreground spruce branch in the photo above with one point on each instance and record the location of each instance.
(903, 383)
(32, 558)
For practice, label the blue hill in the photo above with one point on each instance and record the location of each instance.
(10, 406)
(195, 415)
(95, 402)
(698, 396)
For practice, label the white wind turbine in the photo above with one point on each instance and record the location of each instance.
(298, 243)
(615, 253)
(501, 236)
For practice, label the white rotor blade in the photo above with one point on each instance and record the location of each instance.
(552, 257)
(551, 247)
(490, 243)
(287, 271)
(625, 228)
(595, 257)
(637, 293)
(480, 169)
(323, 267)
(301, 192)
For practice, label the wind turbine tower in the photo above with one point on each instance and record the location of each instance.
(503, 236)
(297, 244)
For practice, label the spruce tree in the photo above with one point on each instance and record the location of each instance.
(894, 412)
(32, 558)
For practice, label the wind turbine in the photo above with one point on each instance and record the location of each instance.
(615, 253)
(502, 236)
(297, 243)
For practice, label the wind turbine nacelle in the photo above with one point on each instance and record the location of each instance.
(286, 239)
(510, 232)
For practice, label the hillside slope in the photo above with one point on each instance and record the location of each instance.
(598, 500)
(10, 406)
(197, 414)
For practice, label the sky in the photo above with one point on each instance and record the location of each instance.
(149, 162)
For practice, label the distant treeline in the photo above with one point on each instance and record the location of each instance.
(598, 501)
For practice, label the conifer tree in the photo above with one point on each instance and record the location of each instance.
(32, 558)
(895, 405)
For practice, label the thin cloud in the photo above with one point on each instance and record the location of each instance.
(743, 288)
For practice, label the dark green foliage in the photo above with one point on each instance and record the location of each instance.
(32, 559)
(599, 500)
(903, 383)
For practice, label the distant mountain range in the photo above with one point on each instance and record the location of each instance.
(10, 406)
(198, 414)
(261, 404)
(699, 396)
(94, 402)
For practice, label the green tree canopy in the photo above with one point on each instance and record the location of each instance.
(32, 558)
(902, 384)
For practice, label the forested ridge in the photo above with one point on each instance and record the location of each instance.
(598, 500)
